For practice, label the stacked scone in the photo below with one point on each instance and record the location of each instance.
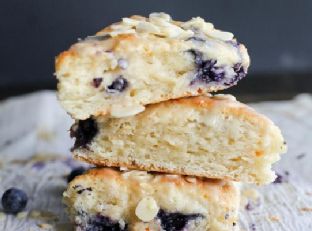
(169, 155)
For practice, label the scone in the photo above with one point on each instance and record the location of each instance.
(107, 199)
(141, 61)
(215, 137)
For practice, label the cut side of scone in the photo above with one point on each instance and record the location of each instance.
(109, 199)
(210, 136)
(140, 61)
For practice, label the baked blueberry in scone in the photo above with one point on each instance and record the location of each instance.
(211, 136)
(139, 201)
(140, 61)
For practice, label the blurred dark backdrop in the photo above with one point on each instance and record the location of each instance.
(277, 33)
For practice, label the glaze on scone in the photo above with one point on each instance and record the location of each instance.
(140, 61)
(215, 137)
(108, 199)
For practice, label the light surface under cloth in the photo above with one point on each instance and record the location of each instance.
(43, 130)
(140, 61)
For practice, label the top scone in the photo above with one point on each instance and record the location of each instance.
(140, 61)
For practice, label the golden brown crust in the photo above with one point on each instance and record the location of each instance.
(136, 166)
(226, 105)
(60, 59)
(179, 180)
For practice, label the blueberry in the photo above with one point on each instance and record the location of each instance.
(175, 221)
(240, 71)
(239, 74)
(118, 85)
(96, 82)
(198, 56)
(14, 200)
(75, 172)
(206, 70)
(102, 223)
(83, 131)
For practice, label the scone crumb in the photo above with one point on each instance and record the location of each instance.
(172, 176)
(45, 135)
(43, 215)
(251, 194)
(306, 209)
(250, 199)
(2, 215)
(123, 169)
(273, 218)
(35, 214)
(135, 174)
(309, 193)
(147, 209)
(22, 215)
(45, 226)
(224, 97)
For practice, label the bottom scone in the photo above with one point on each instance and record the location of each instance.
(109, 199)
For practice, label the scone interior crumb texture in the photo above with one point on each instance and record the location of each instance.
(117, 200)
(216, 137)
(140, 61)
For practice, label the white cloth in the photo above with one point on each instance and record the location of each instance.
(35, 156)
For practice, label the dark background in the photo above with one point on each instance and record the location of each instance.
(278, 35)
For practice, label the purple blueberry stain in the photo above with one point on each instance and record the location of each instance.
(252, 227)
(206, 70)
(233, 42)
(300, 156)
(196, 39)
(83, 131)
(84, 189)
(240, 73)
(96, 82)
(249, 207)
(118, 85)
(103, 223)
(281, 178)
(175, 221)
(38, 165)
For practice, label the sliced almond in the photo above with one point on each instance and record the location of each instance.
(147, 209)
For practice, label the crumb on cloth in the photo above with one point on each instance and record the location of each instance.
(273, 218)
(306, 209)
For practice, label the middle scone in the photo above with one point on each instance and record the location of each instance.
(210, 136)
